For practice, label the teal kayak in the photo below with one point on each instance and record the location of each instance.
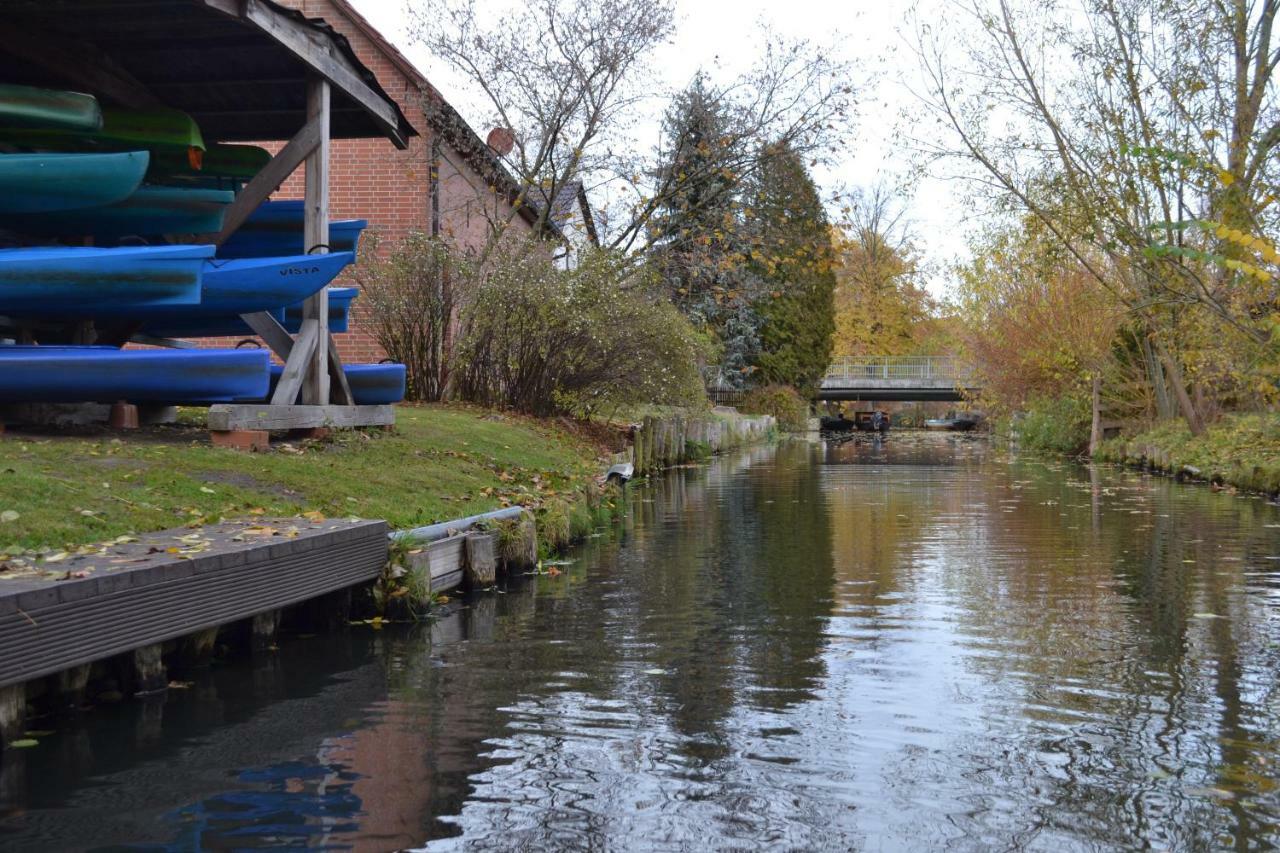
(150, 210)
(50, 109)
(40, 183)
(81, 280)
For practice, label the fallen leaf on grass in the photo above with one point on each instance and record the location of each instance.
(9, 515)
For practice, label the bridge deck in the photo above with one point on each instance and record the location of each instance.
(897, 378)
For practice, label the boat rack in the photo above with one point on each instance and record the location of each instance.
(246, 70)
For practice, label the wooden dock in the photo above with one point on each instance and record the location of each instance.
(127, 595)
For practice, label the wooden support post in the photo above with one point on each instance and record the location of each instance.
(149, 673)
(482, 560)
(13, 712)
(315, 231)
(263, 628)
(71, 684)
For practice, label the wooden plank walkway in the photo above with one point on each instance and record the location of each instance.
(127, 595)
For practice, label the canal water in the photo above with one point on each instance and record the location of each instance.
(916, 643)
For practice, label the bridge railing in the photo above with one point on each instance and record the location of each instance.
(935, 367)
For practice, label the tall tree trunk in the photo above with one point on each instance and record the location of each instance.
(1095, 428)
(1164, 406)
(1195, 423)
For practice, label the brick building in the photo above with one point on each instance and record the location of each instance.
(447, 181)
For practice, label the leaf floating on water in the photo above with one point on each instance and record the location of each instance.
(23, 743)
(1207, 616)
(655, 671)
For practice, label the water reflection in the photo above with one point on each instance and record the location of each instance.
(908, 643)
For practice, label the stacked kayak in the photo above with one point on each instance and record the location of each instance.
(371, 384)
(174, 325)
(54, 374)
(129, 182)
(275, 228)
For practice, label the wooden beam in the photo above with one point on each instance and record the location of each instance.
(267, 327)
(315, 49)
(268, 179)
(315, 238)
(224, 417)
(295, 369)
(339, 387)
(80, 64)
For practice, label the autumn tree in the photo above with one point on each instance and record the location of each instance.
(1065, 112)
(792, 257)
(881, 308)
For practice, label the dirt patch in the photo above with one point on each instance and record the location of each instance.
(241, 480)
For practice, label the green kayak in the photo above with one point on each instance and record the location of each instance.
(39, 183)
(150, 210)
(122, 130)
(50, 109)
(239, 162)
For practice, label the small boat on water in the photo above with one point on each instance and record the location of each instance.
(371, 384)
(83, 374)
(41, 183)
(86, 280)
(275, 228)
(211, 325)
(148, 211)
(955, 423)
(30, 107)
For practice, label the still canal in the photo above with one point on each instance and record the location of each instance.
(912, 644)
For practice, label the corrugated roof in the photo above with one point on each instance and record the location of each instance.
(238, 67)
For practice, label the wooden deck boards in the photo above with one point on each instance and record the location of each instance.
(127, 595)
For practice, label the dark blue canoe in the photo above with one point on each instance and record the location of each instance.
(86, 280)
(57, 374)
(230, 325)
(275, 228)
(149, 210)
(371, 384)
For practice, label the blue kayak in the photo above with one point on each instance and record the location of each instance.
(189, 325)
(150, 210)
(371, 384)
(275, 228)
(38, 183)
(82, 280)
(69, 374)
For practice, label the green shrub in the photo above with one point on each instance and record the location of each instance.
(1057, 425)
(540, 340)
(781, 401)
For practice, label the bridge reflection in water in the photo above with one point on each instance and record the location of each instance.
(898, 377)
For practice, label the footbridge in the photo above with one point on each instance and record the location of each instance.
(898, 377)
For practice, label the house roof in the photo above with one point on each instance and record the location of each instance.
(238, 67)
(574, 194)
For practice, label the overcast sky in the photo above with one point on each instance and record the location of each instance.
(726, 32)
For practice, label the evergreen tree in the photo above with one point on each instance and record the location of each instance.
(792, 254)
(700, 248)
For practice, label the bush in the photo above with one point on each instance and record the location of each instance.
(544, 341)
(411, 295)
(1055, 425)
(781, 401)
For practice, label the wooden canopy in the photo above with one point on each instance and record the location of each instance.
(238, 67)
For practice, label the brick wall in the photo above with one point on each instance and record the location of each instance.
(372, 179)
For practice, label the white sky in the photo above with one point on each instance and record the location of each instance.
(725, 32)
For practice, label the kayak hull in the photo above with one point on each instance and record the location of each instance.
(40, 183)
(121, 130)
(149, 210)
(56, 374)
(275, 228)
(85, 280)
(27, 106)
(371, 384)
(230, 325)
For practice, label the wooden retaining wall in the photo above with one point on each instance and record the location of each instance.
(659, 443)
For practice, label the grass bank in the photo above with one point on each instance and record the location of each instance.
(1237, 450)
(60, 491)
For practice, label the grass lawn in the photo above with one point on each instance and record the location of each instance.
(59, 490)
(1242, 450)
